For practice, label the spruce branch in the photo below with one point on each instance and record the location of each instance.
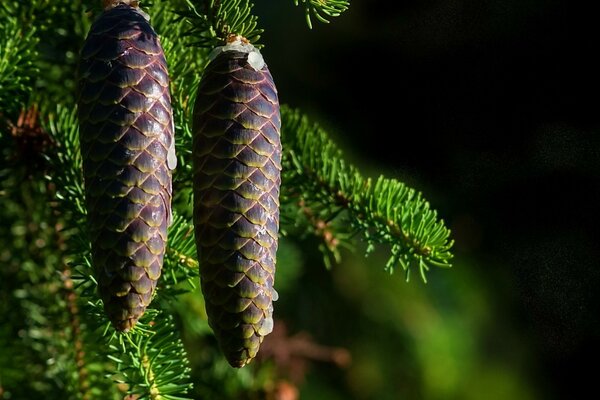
(180, 263)
(184, 62)
(150, 358)
(17, 62)
(325, 196)
(58, 27)
(145, 361)
(181, 233)
(46, 296)
(321, 9)
(385, 211)
(213, 21)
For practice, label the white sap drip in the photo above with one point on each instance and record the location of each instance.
(171, 156)
(266, 326)
(255, 59)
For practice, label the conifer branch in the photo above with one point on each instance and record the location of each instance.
(157, 341)
(145, 361)
(322, 9)
(324, 195)
(185, 66)
(181, 232)
(213, 21)
(17, 67)
(54, 29)
(384, 210)
(180, 263)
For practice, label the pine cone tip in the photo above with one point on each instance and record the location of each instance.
(108, 4)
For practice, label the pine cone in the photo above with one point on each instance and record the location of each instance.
(237, 163)
(127, 145)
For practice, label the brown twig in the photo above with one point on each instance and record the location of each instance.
(182, 258)
(321, 227)
(283, 390)
(294, 353)
(31, 140)
(154, 391)
(345, 200)
(73, 310)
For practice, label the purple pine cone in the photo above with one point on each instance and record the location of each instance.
(237, 163)
(127, 145)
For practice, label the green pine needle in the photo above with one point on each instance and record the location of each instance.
(321, 9)
(213, 21)
(17, 67)
(151, 359)
(332, 199)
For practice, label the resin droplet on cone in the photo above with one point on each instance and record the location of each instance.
(126, 133)
(237, 163)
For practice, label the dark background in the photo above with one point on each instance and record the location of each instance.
(492, 107)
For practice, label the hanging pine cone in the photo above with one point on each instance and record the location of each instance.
(127, 145)
(237, 163)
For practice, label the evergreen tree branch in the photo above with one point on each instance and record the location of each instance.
(17, 67)
(323, 195)
(322, 9)
(58, 27)
(182, 233)
(180, 269)
(150, 358)
(30, 298)
(319, 184)
(145, 359)
(184, 63)
(213, 21)
(53, 356)
(185, 66)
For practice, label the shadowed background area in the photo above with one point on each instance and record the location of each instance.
(491, 104)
